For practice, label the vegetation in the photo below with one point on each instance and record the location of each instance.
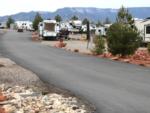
(123, 38)
(74, 18)
(84, 22)
(99, 23)
(58, 18)
(36, 21)
(148, 47)
(107, 21)
(125, 17)
(99, 45)
(10, 21)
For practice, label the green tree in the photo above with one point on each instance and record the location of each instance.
(58, 18)
(99, 23)
(107, 21)
(74, 18)
(10, 21)
(36, 21)
(125, 17)
(84, 22)
(99, 45)
(122, 39)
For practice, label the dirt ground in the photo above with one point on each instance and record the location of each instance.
(73, 45)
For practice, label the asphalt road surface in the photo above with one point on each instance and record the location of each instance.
(113, 87)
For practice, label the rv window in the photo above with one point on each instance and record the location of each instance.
(147, 29)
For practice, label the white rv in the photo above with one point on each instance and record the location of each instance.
(143, 27)
(100, 31)
(25, 25)
(76, 24)
(48, 29)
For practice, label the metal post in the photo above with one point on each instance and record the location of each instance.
(88, 34)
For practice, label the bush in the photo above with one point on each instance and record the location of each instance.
(122, 39)
(148, 47)
(99, 45)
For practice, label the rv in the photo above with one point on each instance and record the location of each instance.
(48, 29)
(143, 27)
(24, 25)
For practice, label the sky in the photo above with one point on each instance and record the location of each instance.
(8, 7)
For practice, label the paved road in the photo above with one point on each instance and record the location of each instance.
(114, 87)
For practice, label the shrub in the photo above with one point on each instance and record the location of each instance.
(148, 47)
(122, 39)
(99, 45)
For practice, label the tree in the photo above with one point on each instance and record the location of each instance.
(58, 18)
(99, 23)
(84, 22)
(36, 21)
(74, 18)
(123, 38)
(99, 45)
(125, 17)
(10, 21)
(107, 21)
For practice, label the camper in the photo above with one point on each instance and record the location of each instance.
(100, 31)
(24, 25)
(143, 27)
(3, 25)
(48, 29)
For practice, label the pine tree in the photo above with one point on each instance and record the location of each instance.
(74, 18)
(84, 22)
(9, 21)
(125, 17)
(107, 21)
(58, 18)
(36, 21)
(123, 38)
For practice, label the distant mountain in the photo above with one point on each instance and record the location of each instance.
(93, 14)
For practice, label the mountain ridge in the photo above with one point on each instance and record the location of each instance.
(91, 13)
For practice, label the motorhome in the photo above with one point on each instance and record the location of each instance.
(3, 25)
(25, 25)
(143, 27)
(48, 29)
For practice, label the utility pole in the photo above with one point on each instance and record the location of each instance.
(88, 34)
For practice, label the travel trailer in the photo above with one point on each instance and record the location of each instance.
(3, 25)
(143, 27)
(76, 24)
(25, 25)
(100, 31)
(48, 29)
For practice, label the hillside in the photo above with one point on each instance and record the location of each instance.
(93, 14)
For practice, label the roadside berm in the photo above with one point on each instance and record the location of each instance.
(21, 91)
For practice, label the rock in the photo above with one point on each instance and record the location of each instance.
(25, 100)
(2, 110)
(6, 62)
(115, 58)
(76, 50)
(9, 108)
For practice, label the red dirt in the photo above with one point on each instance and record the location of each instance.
(141, 57)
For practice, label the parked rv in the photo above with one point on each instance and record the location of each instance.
(48, 29)
(143, 27)
(24, 25)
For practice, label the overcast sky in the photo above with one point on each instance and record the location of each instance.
(14, 6)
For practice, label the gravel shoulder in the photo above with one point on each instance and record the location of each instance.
(16, 81)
